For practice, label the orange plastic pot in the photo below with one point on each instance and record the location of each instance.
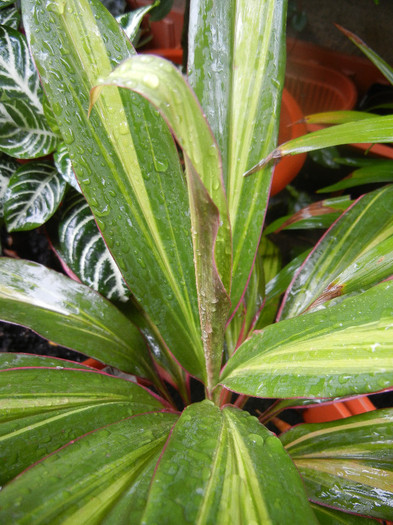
(291, 126)
(339, 410)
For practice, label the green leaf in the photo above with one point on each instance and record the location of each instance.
(352, 256)
(64, 166)
(163, 85)
(7, 168)
(34, 193)
(161, 9)
(327, 516)
(104, 476)
(127, 166)
(70, 314)
(337, 117)
(75, 404)
(10, 17)
(370, 130)
(348, 463)
(244, 115)
(223, 467)
(24, 131)
(4, 3)
(84, 250)
(340, 350)
(320, 214)
(377, 173)
(131, 21)
(383, 67)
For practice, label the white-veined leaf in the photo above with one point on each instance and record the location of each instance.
(10, 17)
(64, 166)
(85, 252)
(34, 193)
(24, 132)
(8, 167)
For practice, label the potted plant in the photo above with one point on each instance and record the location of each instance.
(86, 446)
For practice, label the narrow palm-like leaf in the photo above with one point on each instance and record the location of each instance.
(233, 467)
(341, 350)
(4, 3)
(70, 314)
(243, 114)
(24, 131)
(7, 168)
(328, 516)
(104, 476)
(127, 165)
(34, 193)
(379, 172)
(383, 67)
(356, 247)
(10, 17)
(84, 250)
(73, 405)
(64, 166)
(370, 130)
(163, 85)
(337, 117)
(131, 21)
(347, 464)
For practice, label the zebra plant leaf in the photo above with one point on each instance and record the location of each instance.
(8, 167)
(355, 453)
(10, 17)
(64, 166)
(24, 132)
(85, 252)
(354, 254)
(34, 193)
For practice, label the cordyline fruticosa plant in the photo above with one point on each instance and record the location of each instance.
(185, 234)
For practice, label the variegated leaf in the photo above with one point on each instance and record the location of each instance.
(34, 193)
(4, 3)
(131, 21)
(10, 17)
(24, 132)
(8, 167)
(64, 166)
(85, 252)
(18, 75)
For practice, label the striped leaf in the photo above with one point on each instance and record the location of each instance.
(369, 130)
(34, 193)
(376, 173)
(85, 252)
(235, 470)
(7, 168)
(243, 114)
(328, 516)
(4, 3)
(348, 463)
(340, 350)
(10, 17)
(24, 132)
(78, 401)
(353, 255)
(127, 165)
(64, 166)
(70, 314)
(103, 476)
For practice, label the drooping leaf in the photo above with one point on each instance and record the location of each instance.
(8, 167)
(161, 9)
(356, 249)
(76, 402)
(244, 115)
(235, 470)
(34, 193)
(64, 166)
(369, 130)
(383, 66)
(347, 464)
(70, 314)
(320, 214)
(10, 17)
(104, 476)
(131, 21)
(340, 350)
(84, 250)
(377, 173)
(127, 165)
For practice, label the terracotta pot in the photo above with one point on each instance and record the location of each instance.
(290, 128)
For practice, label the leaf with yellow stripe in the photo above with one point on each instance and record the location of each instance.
(347, 464)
